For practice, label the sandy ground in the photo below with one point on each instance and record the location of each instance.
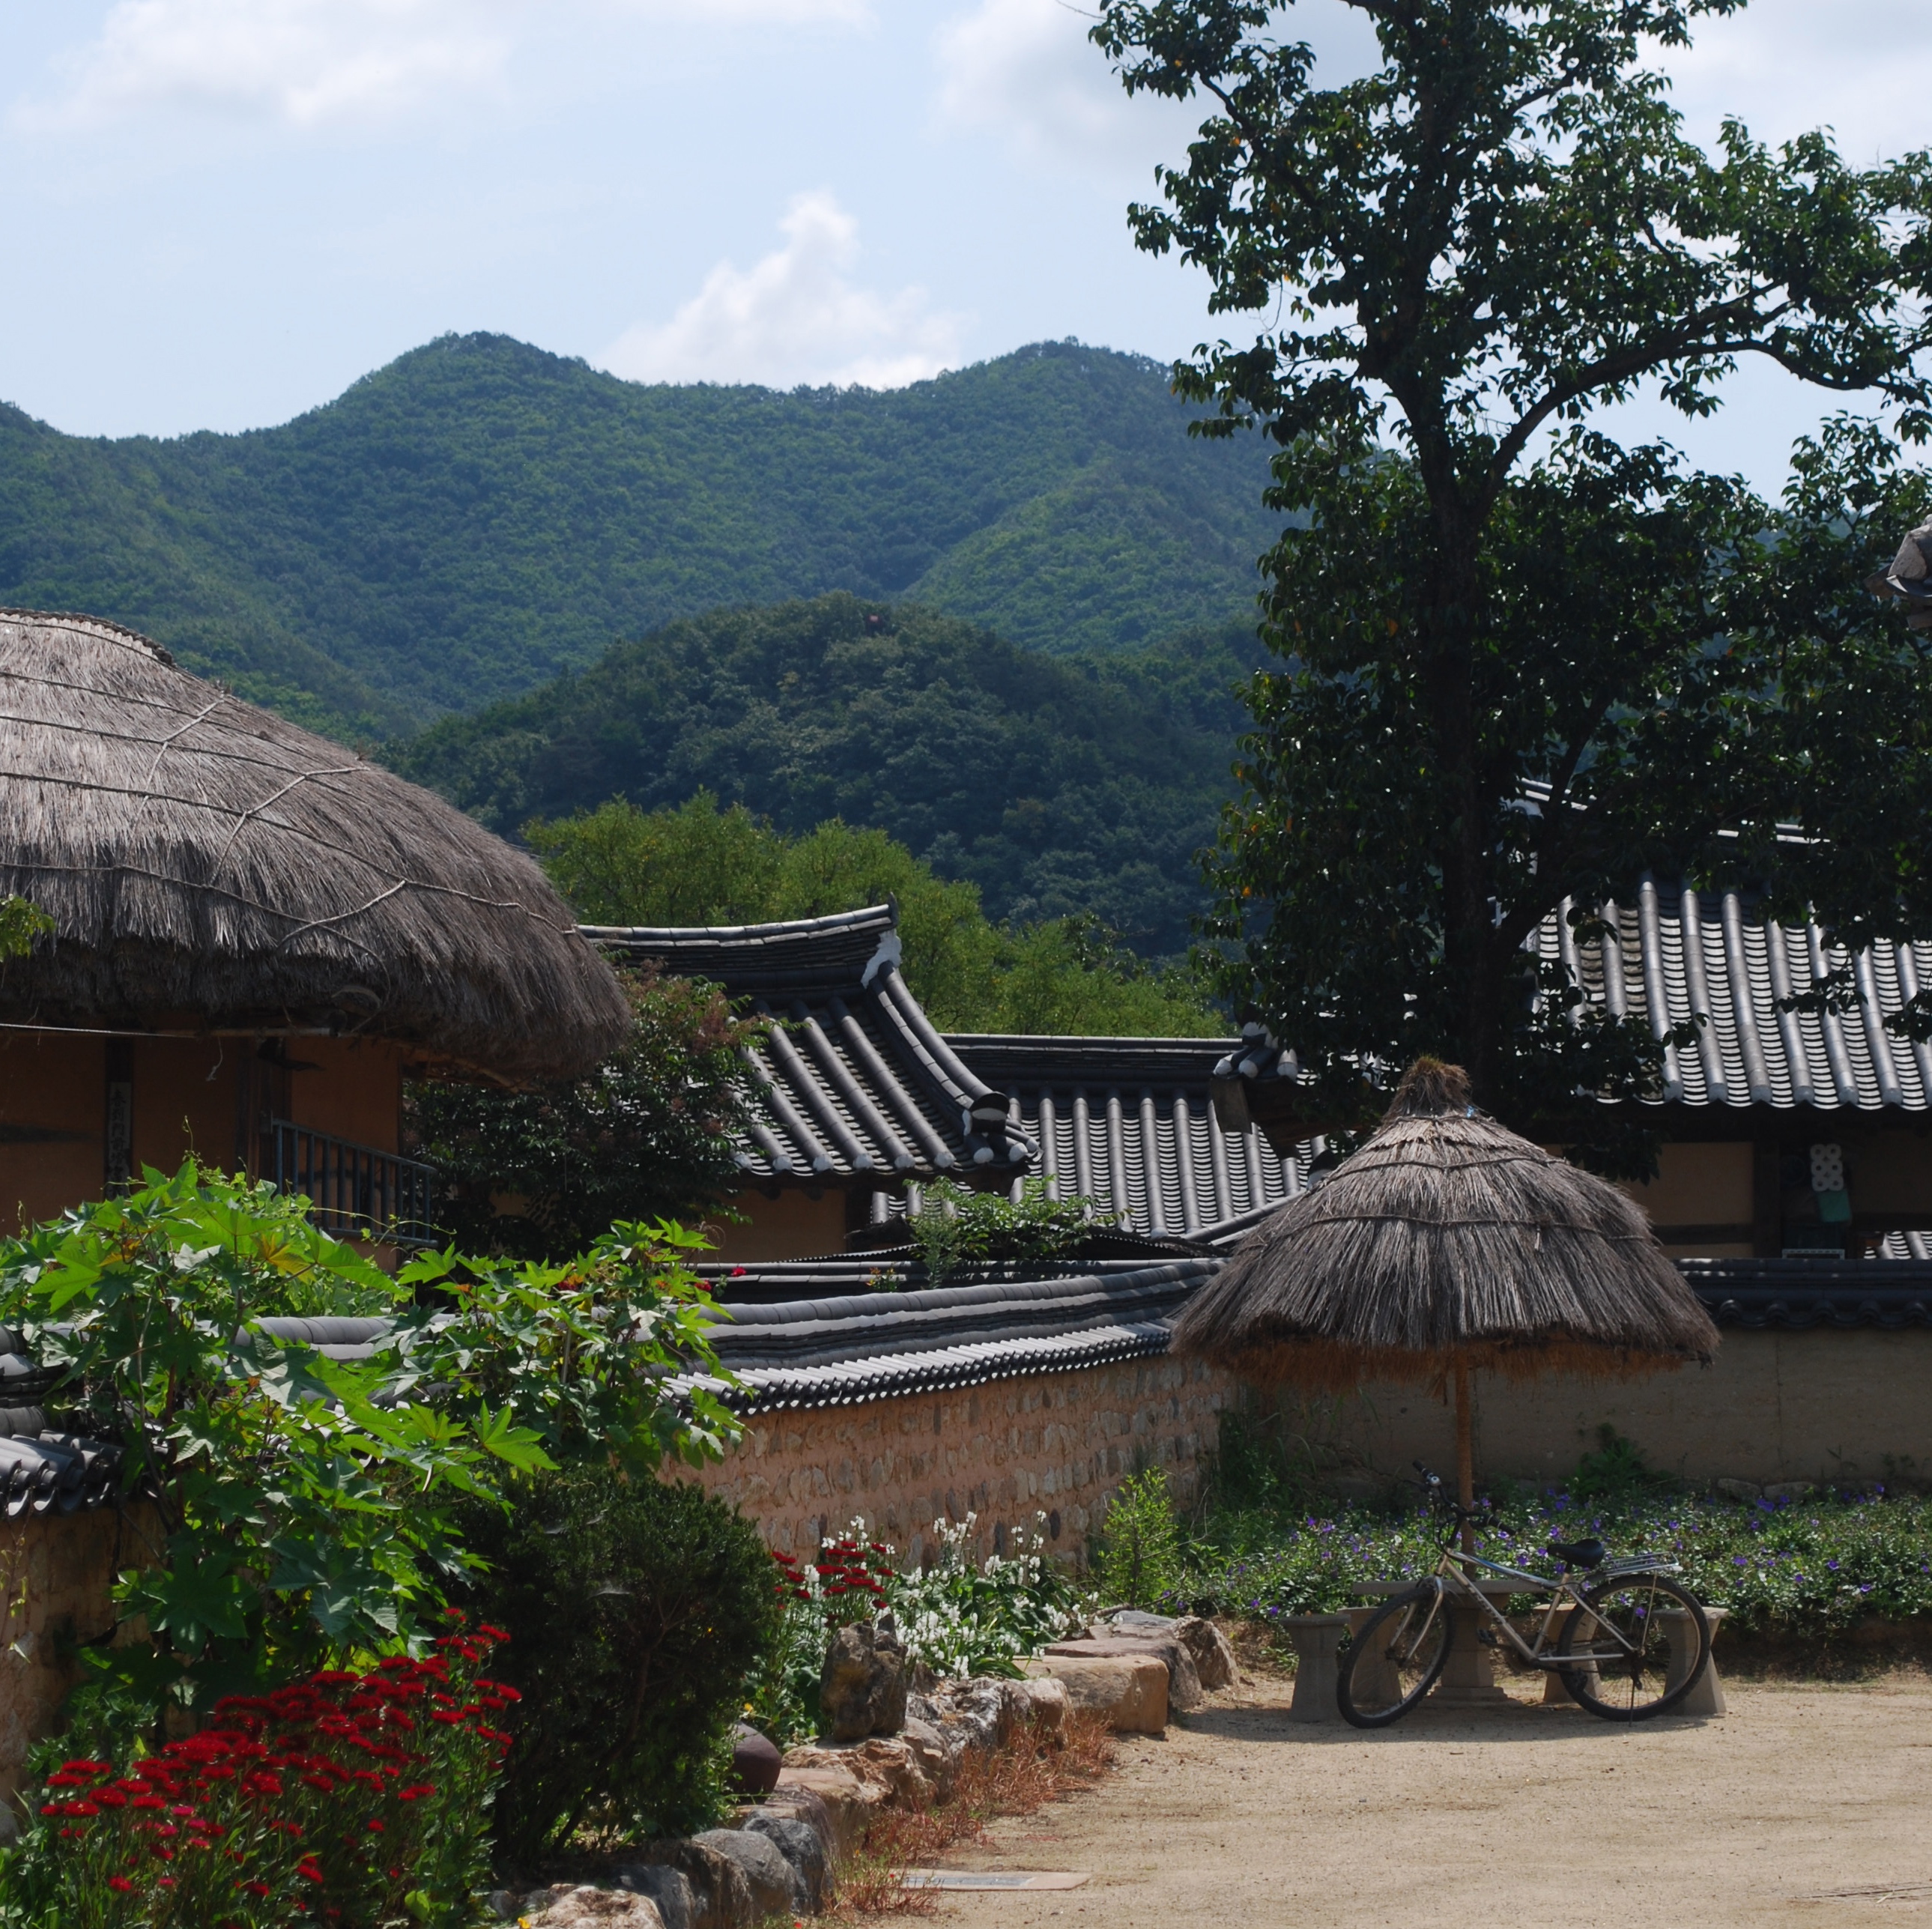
(1807, 1804)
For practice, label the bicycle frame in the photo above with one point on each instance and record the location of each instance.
(1453, 1571)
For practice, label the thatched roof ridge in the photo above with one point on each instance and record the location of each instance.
(1446, 1236)
(204, 860)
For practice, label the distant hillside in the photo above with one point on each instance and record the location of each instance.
(1056, 786)
(480, 516)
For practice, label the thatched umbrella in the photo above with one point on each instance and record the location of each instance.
(1447, 1244)
(205, 862)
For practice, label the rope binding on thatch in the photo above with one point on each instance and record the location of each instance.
(204, 860)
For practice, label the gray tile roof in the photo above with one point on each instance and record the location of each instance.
(853, 1079)
(844, 1350)
(1675, 955)
(1796, 1294)
(1127, 1123)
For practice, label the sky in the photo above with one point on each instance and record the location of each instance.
(221, 212)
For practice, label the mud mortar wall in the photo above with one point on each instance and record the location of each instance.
(1056, 1444)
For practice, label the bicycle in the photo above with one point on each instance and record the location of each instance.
(1613, 1651)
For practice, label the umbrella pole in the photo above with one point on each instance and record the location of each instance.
(1466, 1458)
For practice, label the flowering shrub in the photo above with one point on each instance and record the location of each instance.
(957, 1618)
(354, 1800)
(300, 1507)
(1803, 1569)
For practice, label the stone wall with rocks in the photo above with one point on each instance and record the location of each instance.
(57, 1570)
(1055, 1443)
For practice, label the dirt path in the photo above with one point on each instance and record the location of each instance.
(1807, 1804)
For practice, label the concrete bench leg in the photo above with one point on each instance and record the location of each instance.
(1316, 1637)
(1378, 1679)
(1707, 1698)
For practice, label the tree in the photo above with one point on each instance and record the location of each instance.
(1521, 663)
(695, 864)
(649, 1135)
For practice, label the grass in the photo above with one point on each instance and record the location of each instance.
(1029, 1772)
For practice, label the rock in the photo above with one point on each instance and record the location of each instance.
(1183, 1683)
(792, 1801)
(848, 1803)
(777, 1888)
(976, 1710)
(938, 1751)
(1043, 1705)
(1790, 1490)
(862, 1689)
(805, 1852)
(567, 1904)
(669, 1888)
(1132, 1621)
(721, 1897)
(1213, 1654)
(503, 1905)
(886, 1762)
(755, 1762)
(1738, 1490)
(1129, 1689)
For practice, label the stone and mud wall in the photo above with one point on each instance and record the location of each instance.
(1055, 1443)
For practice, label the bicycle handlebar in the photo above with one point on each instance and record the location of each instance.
(1438, 1496)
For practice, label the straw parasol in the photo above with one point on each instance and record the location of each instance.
(206, 862)
(1446, 1243)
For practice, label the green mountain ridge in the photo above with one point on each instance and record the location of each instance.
(480, 517)
(1055, 785)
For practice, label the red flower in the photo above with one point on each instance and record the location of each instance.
(121, 1886)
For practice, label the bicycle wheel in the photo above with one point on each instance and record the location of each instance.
(1395, 1660)
(1628, 1628)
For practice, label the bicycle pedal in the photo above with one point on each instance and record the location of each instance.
(1487, 1635)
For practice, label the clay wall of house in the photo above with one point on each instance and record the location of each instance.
(1056, 1444)
(1775, 1406)
(787, 1223)
(212, 1096)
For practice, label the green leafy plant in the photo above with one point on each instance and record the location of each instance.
(649, 1134)
(1140, 1560)
(295, 1509)
(955, 1227)
(358, 1800)
(21, 922)
(640, 1607)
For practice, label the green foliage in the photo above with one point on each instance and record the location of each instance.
(21, 922)
(479, 516)
(697, 864)
(1139, 1561)
(1464, 608)
(301, 1505)
(638, 1607)
(1054, 787)
(955, 1227)
(1804, 1570)
(647, 1135)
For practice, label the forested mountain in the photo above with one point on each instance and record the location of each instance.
(480, 516)
(1058, 785)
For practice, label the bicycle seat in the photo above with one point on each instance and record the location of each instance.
(1579, 1553)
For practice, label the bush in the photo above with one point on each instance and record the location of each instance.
(1140, 1561)
(640, 1609)
(955, 1227)
(353, 1800)
(302, 1505)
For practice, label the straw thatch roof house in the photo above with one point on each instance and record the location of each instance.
(256, 933)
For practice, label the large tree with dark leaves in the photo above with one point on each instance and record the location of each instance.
(1520, 664)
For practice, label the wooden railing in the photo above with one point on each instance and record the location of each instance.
(357, 1192)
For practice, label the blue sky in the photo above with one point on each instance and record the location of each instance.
(221, 212)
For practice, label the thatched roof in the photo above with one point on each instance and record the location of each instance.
(203, 861)
(1447, 1237)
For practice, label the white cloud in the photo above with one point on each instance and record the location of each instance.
(794, 317)
(1026, 68)
(307, 63)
